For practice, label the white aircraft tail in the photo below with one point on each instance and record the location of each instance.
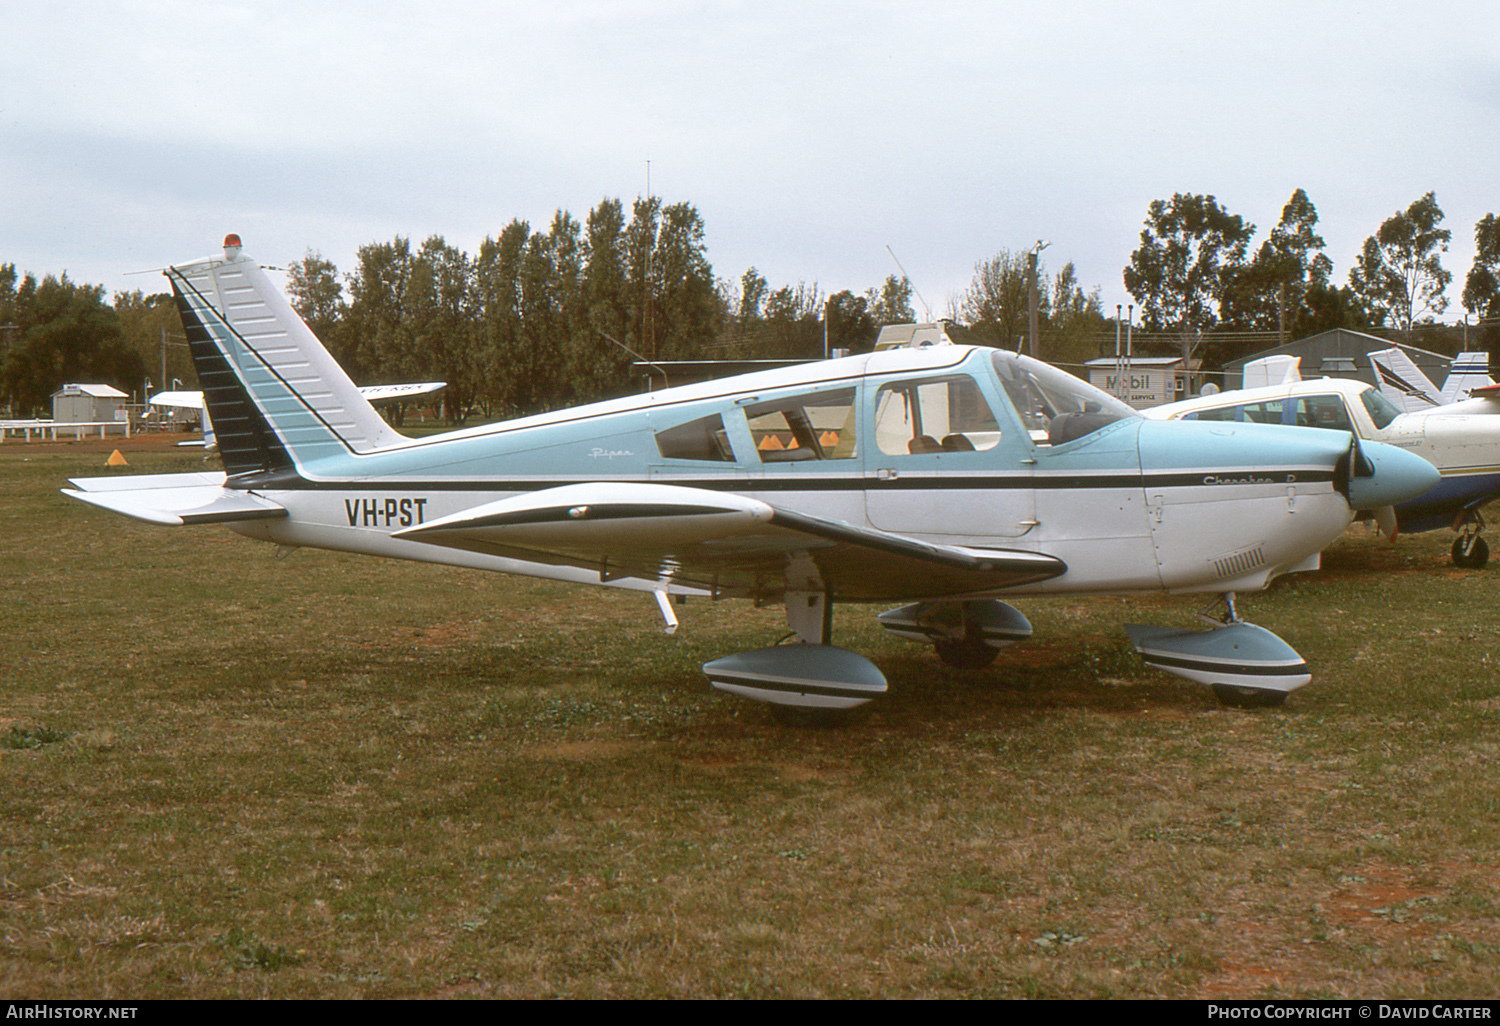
(276, 398)
(1402, 382)
(1467, 372)
(1273, 370)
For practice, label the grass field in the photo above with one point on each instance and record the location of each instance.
(228, 775)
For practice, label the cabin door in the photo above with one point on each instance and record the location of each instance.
(939, 461)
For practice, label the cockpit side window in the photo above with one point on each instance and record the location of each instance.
(934, 415)
(815, 426)
(1323, 411)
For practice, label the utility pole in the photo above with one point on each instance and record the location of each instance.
(1031, 297)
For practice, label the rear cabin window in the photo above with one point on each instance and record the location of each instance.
(934, 415)
(816, 426)
(702, 439)
(1322, 411)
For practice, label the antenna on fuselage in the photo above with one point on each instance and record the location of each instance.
(926, 310)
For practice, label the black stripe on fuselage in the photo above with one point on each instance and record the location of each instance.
(801, 483)
(586, 512)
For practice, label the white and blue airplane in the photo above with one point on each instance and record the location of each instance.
(940, 478)
(1460, 438)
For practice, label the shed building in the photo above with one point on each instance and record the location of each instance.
(1141, 381)
(89, 404)
(1340, 353)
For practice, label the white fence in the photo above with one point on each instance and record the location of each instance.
(49, 428)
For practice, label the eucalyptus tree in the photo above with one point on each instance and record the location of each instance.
(891, 303)
(315, 292)
(994, 306)
(793, 323)
(603, 354)
(380, 349)
(848, 322)
(152, 328)
(440, 319)
(54, 331)
(1072, 319)
(1272, 292)
(684, 283)
(497, 307)
(1482, 286)
(1399, 274)
(753, 291)
(1191, 251)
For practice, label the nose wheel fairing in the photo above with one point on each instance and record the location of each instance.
(1246, 665)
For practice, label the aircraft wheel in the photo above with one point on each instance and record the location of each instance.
(1473, 556)
(1233, 696)
(969, 654)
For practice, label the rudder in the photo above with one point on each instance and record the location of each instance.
(277, 398)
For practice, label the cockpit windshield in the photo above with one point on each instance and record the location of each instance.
(1381, 410)
(1055, 406)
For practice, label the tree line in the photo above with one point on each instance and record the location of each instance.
(549, 317)
(1192, 275)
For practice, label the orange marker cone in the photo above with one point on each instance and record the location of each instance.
(116, 459)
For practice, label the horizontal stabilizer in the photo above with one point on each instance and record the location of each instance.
(727, 543)
(173, 499)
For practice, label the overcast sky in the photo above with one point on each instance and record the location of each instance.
(810, 136)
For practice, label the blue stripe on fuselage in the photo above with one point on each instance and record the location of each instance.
(1441, 506)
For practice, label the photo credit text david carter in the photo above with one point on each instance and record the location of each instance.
(1353, 1010)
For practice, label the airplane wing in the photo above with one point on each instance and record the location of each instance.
(374, 393)
(379, 393)
(724, 543)
(178, 400)
(173, 499)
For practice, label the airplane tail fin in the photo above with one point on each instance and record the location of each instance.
(276, 397)
(1467, 372)
(1402, 382)
(1272, 370)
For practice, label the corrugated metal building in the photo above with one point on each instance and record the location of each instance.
(1339, 353)
(88, 404)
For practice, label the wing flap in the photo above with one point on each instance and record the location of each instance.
(729, 544)
(173, 499)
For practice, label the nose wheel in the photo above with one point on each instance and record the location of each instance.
(1469, 550)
